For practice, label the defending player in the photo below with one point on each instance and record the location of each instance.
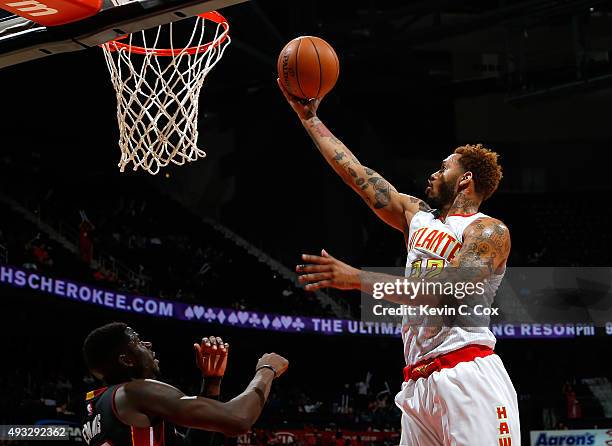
(456, 390)
(135, 409)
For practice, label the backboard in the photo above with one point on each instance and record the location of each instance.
(22, 40)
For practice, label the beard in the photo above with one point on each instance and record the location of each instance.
(445, 196)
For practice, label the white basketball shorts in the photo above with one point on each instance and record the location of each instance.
(471, 404)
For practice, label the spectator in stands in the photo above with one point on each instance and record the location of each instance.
(574, 409)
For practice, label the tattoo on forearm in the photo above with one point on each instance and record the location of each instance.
(382, 189)
(324, 132)
(382, 192)
(339, 156)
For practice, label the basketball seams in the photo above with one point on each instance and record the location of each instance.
(297, 71)
(319, 65)
(316, 65)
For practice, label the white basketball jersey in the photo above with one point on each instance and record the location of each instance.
(433, 243)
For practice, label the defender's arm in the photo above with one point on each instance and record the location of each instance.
(141, 401)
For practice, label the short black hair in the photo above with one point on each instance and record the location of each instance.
(101, 347)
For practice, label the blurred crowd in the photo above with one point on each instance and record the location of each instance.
(122, 243)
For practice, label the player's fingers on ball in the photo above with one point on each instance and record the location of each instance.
(284, 90)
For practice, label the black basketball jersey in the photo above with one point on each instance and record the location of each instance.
(102, 427)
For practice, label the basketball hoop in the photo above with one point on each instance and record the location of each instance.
(158, 88)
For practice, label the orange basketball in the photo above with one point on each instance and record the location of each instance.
(308, 67)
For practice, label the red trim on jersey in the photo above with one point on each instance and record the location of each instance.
(94, 393)
(423, 369)
(113, 406)
(461, 215)
(158, 434)
(141, 436)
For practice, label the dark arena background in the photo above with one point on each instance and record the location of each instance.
(210, 248)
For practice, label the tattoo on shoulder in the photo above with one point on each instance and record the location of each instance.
(488, 243)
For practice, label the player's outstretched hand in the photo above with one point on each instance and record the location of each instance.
(211, 356)
(279, 363)
(325, 271)
(305, 108)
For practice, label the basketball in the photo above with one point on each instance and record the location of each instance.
(308, 67)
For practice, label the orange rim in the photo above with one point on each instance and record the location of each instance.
(213, 16)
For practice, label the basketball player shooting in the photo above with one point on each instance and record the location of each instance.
(136, 409)
(456, 390)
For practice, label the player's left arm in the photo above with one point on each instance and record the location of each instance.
(486, 246)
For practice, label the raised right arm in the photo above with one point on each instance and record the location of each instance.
(386, 202)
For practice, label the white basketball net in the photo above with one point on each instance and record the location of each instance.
(158, 90)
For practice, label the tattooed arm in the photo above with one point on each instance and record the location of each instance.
(486, 247)
(392, 207)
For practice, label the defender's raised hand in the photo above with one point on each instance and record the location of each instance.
(325, 271)
(211, 356)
